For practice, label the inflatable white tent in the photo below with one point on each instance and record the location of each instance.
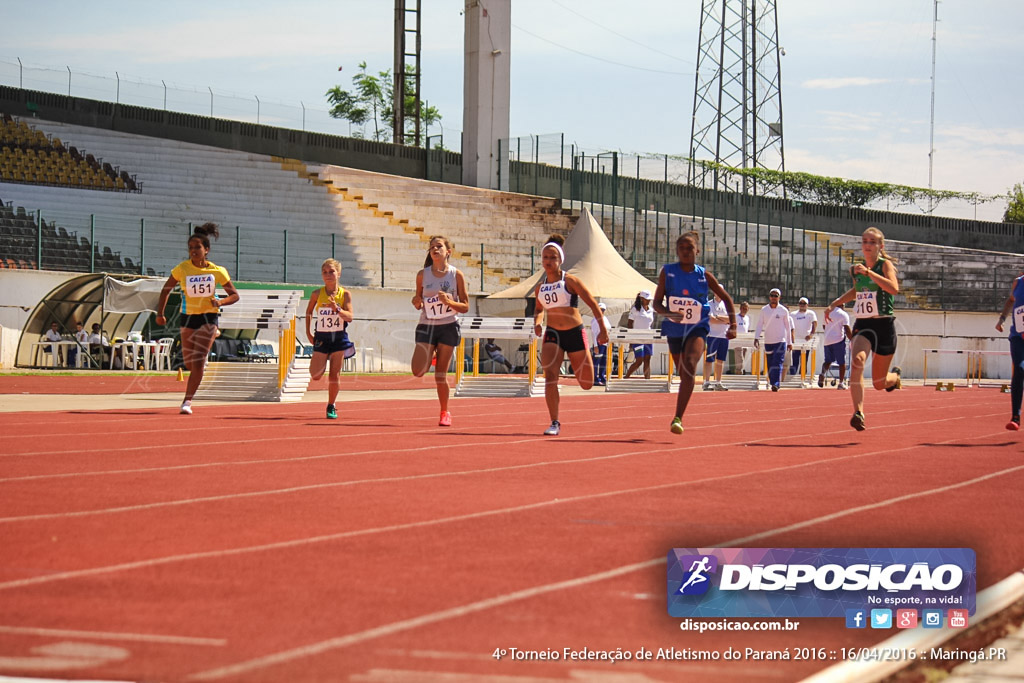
(590, 256)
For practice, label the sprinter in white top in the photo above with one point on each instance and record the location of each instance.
(558, 295)
(440, 297)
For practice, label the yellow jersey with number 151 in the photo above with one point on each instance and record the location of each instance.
(198, 285)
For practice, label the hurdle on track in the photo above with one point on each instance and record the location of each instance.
(621, 339)
(272, 309)
(759, 364)
(974, 362)
(976, 369)
(474, 384)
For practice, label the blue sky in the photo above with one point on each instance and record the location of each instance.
(856, 76)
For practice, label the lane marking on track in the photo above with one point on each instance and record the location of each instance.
(499, 600)
(107, 635)
(430, 475)
(300, 542)
(203, 427)
(234, 463)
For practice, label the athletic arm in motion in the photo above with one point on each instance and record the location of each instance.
(579, 288)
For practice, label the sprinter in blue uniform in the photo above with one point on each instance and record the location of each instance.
(682, 299)
(1014, 306)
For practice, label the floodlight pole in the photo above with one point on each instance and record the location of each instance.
(931, 129)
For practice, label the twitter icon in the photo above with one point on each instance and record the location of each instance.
(881, 618)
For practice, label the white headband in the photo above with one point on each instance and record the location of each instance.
(557, 247)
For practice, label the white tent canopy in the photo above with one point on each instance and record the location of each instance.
(592, 258)
(137, 296)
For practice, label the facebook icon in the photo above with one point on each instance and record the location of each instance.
(856, 618)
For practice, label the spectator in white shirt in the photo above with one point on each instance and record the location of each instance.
(98, 343)
(837, 331)
(53, 335)
(718, 344)
(805, 324)
(600, 351)
(641, 317)
(742, 327)
(778, 333)
(82, 337)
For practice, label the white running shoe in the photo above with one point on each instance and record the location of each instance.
(707, 386)
(843, 385)
(186, 408)
(721, 387)
(554, 429)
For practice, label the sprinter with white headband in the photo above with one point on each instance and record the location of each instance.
(558, 295)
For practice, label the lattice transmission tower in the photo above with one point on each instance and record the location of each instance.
(737, 103)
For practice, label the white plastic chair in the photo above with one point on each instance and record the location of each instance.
(163, 353)
(48, 353)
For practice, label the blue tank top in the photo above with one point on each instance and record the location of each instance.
(1018, 306)
(687, 294)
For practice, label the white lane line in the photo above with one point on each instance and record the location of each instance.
(237, 463)
(300, 542)
(106, 635)
(219, 428)
(430, 475)
(496, 601)
(617, 417)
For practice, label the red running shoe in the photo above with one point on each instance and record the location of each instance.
(1014, 423)
(446, 419)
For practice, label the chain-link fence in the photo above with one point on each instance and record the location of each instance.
(199, 100)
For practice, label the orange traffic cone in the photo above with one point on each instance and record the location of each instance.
(181, 375)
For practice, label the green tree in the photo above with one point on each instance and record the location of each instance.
(371, 100)
(367, 102)
(1015, 208)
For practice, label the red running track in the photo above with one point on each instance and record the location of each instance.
(264, 543)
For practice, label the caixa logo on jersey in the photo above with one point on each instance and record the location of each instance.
(817, 582)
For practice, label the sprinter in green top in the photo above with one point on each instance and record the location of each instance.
(875, 285)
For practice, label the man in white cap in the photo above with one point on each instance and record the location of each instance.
(600, 351)
(778, 333)
(805, 324)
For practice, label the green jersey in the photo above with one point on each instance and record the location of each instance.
(872, 300)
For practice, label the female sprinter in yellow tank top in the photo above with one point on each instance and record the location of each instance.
(333, 307)
(558, 295)
(200, 305)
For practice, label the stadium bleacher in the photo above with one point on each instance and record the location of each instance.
(28, 155)
(290, 215)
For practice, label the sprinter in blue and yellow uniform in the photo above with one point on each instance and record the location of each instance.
(200, 305)
(875, 286)
(333, 308)
(682, 298)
